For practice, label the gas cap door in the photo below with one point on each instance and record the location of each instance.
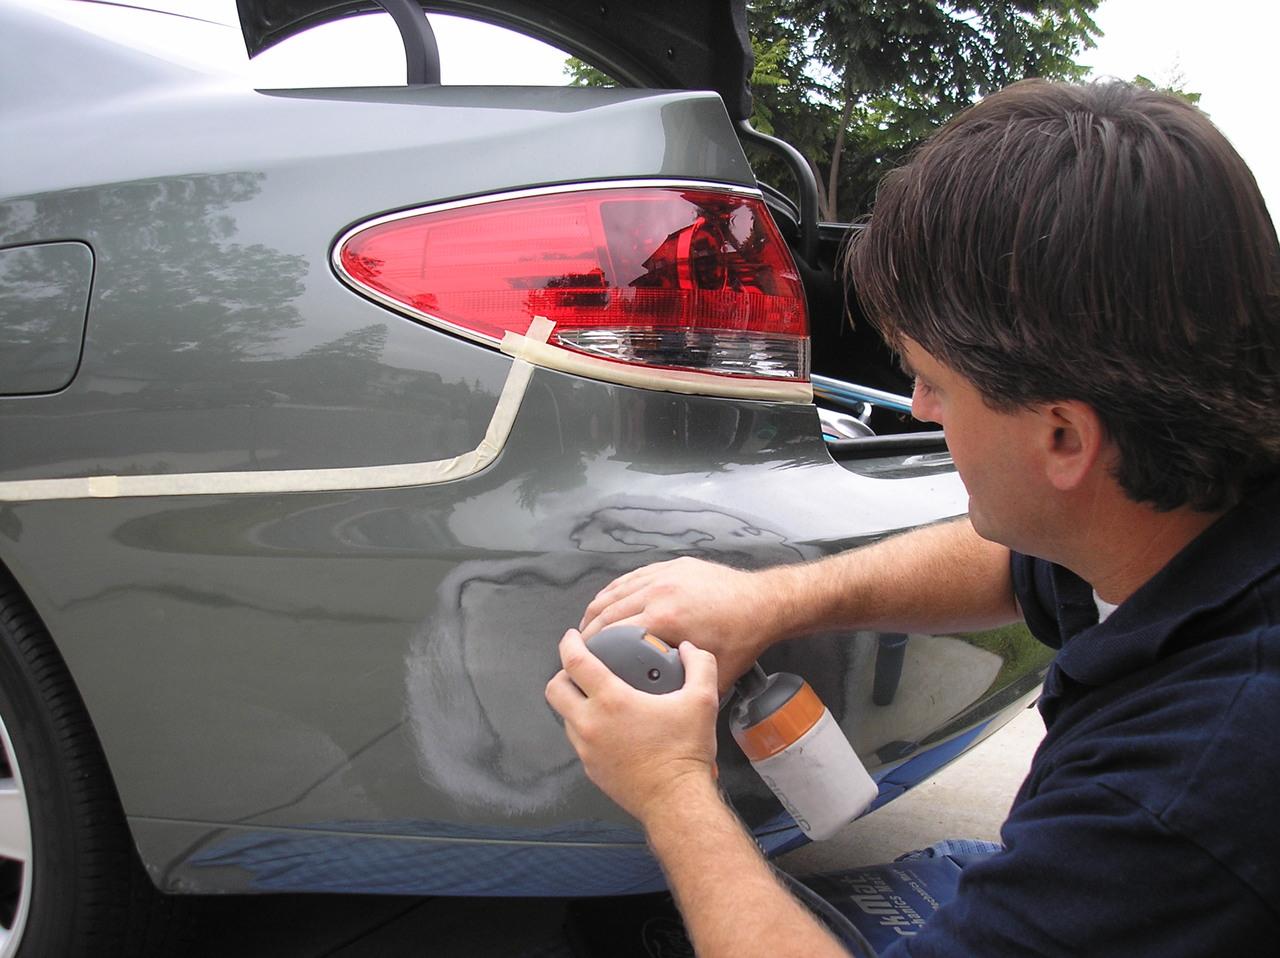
(44, 302)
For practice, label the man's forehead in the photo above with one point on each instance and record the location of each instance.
(912, 356)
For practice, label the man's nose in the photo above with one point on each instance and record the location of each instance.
(923, 406)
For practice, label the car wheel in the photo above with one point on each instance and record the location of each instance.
(15, 849)
(71, 883)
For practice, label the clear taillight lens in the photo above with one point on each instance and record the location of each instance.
(679, 278)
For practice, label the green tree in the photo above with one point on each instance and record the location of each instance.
(856, 84)
(581, 73)
(1174, 84)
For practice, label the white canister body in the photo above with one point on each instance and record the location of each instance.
(819, 779)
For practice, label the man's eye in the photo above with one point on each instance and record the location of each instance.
(921, 386)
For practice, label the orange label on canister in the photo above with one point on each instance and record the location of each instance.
(769, 737)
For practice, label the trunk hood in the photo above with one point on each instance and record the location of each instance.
(665, 44)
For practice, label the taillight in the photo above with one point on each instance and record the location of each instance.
(659, 276)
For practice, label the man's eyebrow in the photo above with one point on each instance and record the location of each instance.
(905, 365)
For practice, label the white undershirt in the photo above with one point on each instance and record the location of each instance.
(1105, 608)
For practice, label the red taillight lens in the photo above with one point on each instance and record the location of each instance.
(695, 279)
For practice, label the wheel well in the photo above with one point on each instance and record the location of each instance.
(96, 898)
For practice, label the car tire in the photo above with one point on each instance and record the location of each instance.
(71, 883)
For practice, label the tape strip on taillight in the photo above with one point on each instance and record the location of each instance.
(682, 287)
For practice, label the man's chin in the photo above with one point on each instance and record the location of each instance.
(979, 522)
(985, 528)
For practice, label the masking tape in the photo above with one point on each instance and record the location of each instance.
(392, 476)
(541, 353)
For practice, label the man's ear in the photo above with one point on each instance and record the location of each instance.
(1074, 439)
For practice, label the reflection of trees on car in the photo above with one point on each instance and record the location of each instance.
(162, 239)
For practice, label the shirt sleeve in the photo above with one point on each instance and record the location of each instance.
(1088, 872)
(1033, 587)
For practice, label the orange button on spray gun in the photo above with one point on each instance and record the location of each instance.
(641, 660)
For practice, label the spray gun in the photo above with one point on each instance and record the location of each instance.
(791, 738)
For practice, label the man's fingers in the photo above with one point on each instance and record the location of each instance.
(568, 702)
(562, 695)
(624, 585)
(615, 590)
(619, 612)
(586, 671)
(700, 669)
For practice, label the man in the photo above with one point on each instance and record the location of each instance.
(1085, 283)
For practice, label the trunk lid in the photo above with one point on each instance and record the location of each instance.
(660, 44)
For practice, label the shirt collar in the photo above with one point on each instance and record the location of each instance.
(1213, 569)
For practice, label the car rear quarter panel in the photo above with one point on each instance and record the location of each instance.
(282, 681)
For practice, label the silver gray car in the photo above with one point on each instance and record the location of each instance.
(324, 412)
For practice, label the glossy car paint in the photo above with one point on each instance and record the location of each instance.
(343, 690)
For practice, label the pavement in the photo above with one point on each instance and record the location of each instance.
(967, 799)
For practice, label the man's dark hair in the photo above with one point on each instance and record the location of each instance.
(1102, 243)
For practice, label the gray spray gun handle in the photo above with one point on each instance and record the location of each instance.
(641, 660)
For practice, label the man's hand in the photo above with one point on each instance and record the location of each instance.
(729, 613)
(639, 748)
(654, 755)
(939, 579)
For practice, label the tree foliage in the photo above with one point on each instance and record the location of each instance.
(1174, 85)
(856, 84)
(581, 73)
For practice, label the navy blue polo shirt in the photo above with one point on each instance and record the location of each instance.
(1149, 823)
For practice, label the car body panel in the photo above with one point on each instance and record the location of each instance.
(362, 662)
(289, 684)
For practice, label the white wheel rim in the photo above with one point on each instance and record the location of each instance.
(15, 849)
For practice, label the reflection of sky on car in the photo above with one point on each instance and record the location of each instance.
(1220, 50)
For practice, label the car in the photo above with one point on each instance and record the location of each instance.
(325, 411)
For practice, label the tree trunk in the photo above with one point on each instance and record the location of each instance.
(837, 149)
(824, 211)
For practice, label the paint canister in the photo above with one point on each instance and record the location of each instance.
(794, 742)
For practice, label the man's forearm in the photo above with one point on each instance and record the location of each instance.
(943, 578)
(733, 905)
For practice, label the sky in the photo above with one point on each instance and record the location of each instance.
(1223, 50)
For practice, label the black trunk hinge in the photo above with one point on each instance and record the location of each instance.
(421, 53)
(806, 187)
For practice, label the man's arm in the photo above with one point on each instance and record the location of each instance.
(942, 578)
(732, 903)
(655, 756)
